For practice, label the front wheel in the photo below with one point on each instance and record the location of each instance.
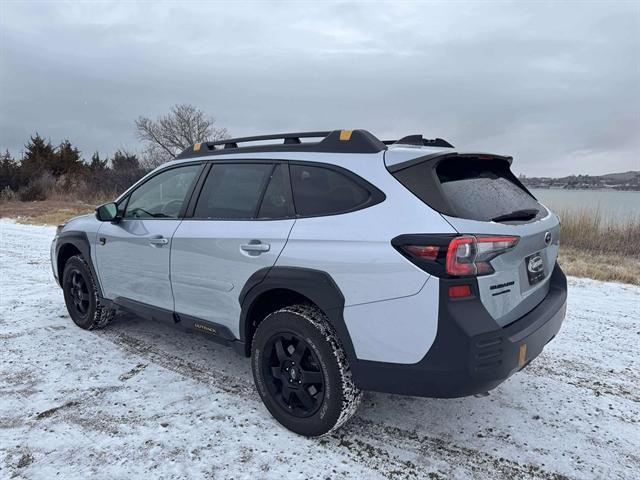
(301, 372)
(81, 295)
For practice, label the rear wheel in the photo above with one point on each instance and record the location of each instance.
(301, 372)
(81, 295)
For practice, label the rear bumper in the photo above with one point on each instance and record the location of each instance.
(471, 353)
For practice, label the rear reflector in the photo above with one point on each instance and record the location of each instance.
(428, 252)
(459, 291)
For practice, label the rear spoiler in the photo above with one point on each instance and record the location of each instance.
(440, 156)
(420, 141)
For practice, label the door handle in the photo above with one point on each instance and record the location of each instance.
(158, 241)
(255, 247)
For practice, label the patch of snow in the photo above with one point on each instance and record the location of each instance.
(138, 400)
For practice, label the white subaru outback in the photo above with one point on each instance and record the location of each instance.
(337, 262)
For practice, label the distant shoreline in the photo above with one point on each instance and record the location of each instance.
(582, 189)
(610, 182)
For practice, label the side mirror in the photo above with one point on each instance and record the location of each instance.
(107, 212)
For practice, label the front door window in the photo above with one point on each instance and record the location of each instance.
(163, 195)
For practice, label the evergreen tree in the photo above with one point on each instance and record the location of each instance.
(96, 164)
(9, 172)
(66, 160)
(39, 157)
(124, 161)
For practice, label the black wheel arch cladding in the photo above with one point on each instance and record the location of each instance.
(80, 242)
(316, 285)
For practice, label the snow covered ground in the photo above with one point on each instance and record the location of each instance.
(144, 400)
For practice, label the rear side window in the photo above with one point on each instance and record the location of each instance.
(233, 191)
(276, 202)
(476, 189)
(323, 191)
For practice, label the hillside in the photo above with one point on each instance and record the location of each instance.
(617, 181)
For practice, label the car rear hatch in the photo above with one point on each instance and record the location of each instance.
(482, 199)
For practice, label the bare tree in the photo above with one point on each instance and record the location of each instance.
(170, 134)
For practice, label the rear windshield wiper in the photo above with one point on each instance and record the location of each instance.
(525, 214)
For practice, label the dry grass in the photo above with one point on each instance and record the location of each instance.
(599, 266)
(46, 212)
(594, 247)
(589, 231)
(52, 218)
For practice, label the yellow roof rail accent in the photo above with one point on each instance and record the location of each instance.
(345, 135)
(196, 147)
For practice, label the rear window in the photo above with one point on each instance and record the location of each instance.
(468, 188)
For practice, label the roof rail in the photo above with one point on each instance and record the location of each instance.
(419, 141)
(336, 141)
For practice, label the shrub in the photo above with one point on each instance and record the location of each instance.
(37, 189)
(6, 194)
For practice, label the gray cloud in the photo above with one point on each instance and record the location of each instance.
(557, 86)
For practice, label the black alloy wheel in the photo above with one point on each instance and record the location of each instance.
(79, 293)
(293, 375)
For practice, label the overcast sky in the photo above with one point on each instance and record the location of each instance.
(555, 85)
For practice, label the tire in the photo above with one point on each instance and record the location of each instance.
(301, 371)
(81, 295)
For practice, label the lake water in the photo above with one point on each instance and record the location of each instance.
(614, 204)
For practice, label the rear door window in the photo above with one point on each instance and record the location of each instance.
(324, 191)
(233, 191)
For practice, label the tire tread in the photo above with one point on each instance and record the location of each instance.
(103, 314)
(351, 395)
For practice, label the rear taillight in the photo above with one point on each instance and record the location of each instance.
(470, 255)
(466, 255)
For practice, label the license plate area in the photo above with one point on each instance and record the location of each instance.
(535, 268)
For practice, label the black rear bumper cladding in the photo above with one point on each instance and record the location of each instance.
(471, 353)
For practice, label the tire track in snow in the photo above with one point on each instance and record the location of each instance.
(361, 439)
(454, 456)
(582, 375)
(179, 365)
(383, 462)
